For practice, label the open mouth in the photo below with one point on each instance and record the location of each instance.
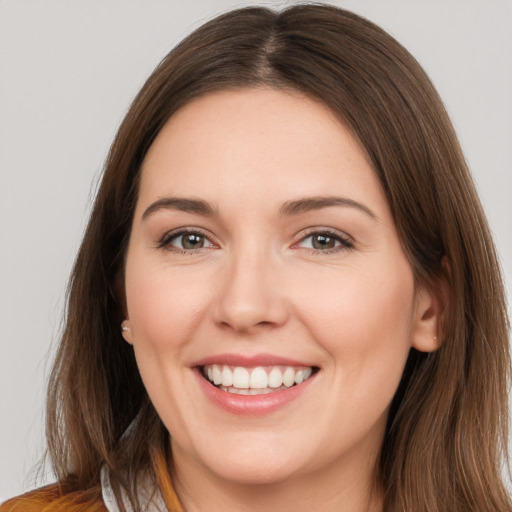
(259, 380)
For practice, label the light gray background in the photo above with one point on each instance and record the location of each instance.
(68, 70)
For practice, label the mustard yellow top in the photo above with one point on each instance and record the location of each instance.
(59, 497)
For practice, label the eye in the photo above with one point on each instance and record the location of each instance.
(185, 241)
(325, 241)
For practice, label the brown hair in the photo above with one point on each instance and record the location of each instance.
(447, 430)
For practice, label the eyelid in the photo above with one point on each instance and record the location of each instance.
(164, 242)
(346, 241)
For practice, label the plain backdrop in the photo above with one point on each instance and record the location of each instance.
(68, 71)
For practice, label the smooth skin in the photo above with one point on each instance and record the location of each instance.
(322, 281)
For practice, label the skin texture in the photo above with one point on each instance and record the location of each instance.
(258, 287)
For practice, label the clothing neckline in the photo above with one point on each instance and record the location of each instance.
(149, 495)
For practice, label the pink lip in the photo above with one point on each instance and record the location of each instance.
(251, 405)
(249, 361)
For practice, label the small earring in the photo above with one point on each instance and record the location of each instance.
(126, 332)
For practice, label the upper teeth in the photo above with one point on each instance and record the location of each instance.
(256, 378)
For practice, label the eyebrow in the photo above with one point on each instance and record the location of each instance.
(180, 204)
(307, 204)
(288, 208)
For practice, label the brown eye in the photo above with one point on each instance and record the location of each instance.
(323, 242)
(189, 241)
(193, 241)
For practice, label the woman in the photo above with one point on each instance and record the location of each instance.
(287, 296)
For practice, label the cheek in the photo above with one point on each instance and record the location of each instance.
(163, 305)
(363, 318)
(164, 308)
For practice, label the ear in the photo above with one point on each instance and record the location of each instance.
(126, 331)
(427, 322)
(119, 290)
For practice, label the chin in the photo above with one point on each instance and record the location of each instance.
(255, 472)
(245, 462)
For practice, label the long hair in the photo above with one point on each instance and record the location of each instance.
(446, 436)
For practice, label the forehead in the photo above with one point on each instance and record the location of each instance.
(270, 142)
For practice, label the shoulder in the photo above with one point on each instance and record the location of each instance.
(55, 498)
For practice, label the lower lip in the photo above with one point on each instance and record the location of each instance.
(251, 405)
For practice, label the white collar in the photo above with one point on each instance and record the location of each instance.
(150, 497)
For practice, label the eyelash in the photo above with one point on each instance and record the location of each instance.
(345, 242)
(165, 241)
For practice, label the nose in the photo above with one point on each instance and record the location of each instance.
(251, 295)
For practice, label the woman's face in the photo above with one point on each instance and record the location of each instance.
(263, 252)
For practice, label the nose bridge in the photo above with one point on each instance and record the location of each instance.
(250, 294)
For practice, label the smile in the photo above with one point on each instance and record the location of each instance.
(255, 381)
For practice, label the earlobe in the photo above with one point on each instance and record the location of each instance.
(429, 308)
(126, 331)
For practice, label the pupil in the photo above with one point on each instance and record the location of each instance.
(193, 241)
(323, 242)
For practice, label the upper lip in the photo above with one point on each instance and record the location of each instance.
(250, 361)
